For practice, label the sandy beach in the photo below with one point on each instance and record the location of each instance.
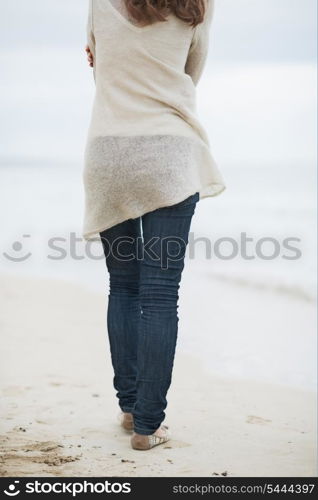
(59, 412)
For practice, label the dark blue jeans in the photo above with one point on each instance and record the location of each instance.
(145, 259)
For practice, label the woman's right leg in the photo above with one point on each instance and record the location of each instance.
(123, 314)
(165, 237)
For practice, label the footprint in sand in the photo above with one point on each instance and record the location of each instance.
(18, 455)
(44, 446)
(253, 419)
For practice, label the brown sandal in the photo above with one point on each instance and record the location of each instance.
(146, 442)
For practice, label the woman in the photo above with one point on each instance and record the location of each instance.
(147, 163)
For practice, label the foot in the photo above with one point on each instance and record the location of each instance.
(146, 442)
(126, 421)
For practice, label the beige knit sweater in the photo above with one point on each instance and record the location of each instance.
(146, 147)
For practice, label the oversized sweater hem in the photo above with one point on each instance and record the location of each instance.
(212, 190)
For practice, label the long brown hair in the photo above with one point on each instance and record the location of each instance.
(149, 11)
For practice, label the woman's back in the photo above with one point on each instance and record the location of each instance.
(146, 147)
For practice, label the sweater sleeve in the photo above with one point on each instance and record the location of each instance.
(90, 32)
(200, 45)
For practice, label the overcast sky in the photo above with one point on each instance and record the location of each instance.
(242, 29)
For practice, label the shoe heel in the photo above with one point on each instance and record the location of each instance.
(139, 442)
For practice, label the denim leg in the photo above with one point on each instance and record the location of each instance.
(165, 234)
(123, 314)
